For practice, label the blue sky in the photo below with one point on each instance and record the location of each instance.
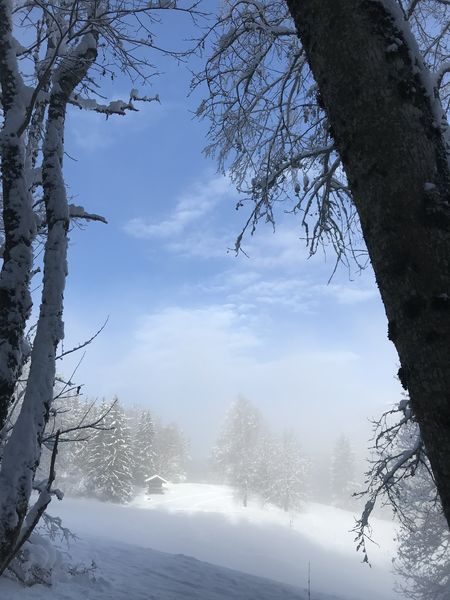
(191, 326)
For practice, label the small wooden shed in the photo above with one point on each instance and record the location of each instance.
(155, 484)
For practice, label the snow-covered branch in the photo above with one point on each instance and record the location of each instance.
(265, 115)
(78, 212)
(398, 452)
(267, 125)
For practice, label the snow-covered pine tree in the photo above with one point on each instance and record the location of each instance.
(108, 467)
(235, 454)
(171, 453)
(342, 473)
(60, 418)
(290, 486)
(423, 553)
(265, 467)
(73, 451)
(92, 455)
(144, 452)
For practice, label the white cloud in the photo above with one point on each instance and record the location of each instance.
(280, 292)
(351, 293)
(282, 248)
(244, 285)
(190, 208)
(188, 364)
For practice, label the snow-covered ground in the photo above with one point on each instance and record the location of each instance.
(204, 522)
(132, 573)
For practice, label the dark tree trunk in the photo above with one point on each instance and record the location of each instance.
(385, 126)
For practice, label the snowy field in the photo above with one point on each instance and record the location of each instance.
(204, 522)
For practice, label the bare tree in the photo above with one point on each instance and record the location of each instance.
(52, 55)
(400, 477)
(351, 118)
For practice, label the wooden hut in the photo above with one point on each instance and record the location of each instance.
(155, 484)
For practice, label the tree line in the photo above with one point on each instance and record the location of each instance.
(112, 460)
(274, 467)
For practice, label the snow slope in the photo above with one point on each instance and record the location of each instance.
(204, 522)
(132, 573)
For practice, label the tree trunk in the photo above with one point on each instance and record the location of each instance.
(18, 218)
(388, 129)
(22, 451)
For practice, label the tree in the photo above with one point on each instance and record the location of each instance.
(423, 554)
(342, 472)
(353, 106)
(235, 454)
(170, 453)
(52, 55)
(110, 457)
(290, 487)
(400, 476)
(266, 464)
(144, 451)
(68, 413)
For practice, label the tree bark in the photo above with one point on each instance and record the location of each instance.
(18, 218)
(389, 133)
(22, 451)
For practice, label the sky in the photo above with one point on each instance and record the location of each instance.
(190, 325)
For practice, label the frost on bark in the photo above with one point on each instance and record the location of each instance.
(18, 218)
(390, 132)
(22, 452)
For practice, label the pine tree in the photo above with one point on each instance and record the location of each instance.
(265, 467)
(236, 452)
(170, 453)
(423, 552)
(342, 473)
(109, 462)
(144, 452)
(290, 486)
(68, 412)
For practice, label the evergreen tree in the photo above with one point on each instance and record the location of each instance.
(170, 453)
(423, 553)
(68, 412)
(265, 467)
(342, 472)
(69, 470)
(236, 452)
(289, 487)
(109, 474)
(144, 452)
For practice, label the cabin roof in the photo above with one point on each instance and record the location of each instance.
(156, 478)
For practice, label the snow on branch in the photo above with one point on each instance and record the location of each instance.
(265, 114)
(78, 212)
(268, 129)
(115, 107)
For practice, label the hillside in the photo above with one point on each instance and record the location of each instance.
(198, 522)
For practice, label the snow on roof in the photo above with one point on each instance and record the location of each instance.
(156, 478)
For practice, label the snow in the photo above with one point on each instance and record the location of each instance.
(150, 575)
(427, 79)
(204, 522)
